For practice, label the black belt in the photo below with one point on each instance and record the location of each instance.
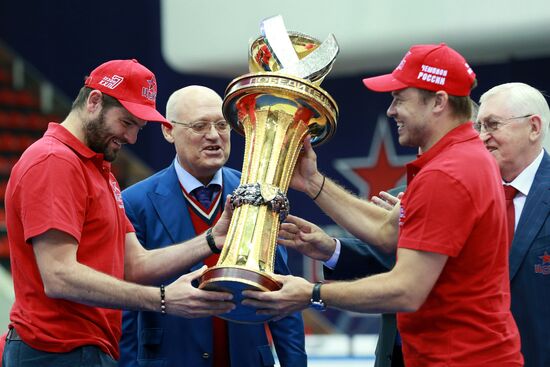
(12, 335)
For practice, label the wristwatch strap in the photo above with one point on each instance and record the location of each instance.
(211, 243)
(316, 302)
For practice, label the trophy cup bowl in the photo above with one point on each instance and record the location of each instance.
(261, 58)
(275, 112)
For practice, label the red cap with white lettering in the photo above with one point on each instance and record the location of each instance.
(132, 84)
(430, 67)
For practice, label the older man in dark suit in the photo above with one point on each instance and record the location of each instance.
(513, 122)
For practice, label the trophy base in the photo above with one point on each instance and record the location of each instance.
(234, 280)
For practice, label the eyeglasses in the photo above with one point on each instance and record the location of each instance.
(491, 126)
(203, 127)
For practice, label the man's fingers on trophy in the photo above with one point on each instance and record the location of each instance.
(306, 147)
(227, 208)
(285, 243)
(307, 142)
(290, 228)
(292, 219)
(389, 197)
(209, 309)
(227, 205)
(255, 298)
(305, 230)
(307, 150)
(286, 240)
(271, 313)
(218, 298)
(381, 203)
(195, 274)
(297, 222)
(217, 306)
(281, 278)
(198, 273)
(284, 235)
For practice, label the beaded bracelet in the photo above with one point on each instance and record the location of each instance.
(162, 299)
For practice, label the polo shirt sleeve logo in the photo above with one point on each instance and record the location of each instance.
(116, 192)
(150, 92)
(111, 82)
(401, 215)
(543, 268)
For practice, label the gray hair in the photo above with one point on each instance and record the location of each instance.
(524, 99)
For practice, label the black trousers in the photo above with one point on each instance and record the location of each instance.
(397, 357)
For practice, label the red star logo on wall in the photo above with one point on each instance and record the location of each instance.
(381, 170)
(545, 258)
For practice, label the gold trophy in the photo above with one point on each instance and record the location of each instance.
(274, 107)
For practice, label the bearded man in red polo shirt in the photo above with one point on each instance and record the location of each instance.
(75, 257)
(450, 284)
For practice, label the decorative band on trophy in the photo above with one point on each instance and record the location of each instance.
(256, 194)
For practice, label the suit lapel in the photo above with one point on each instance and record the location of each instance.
(171, 207)
(230, 182)
(535, 211)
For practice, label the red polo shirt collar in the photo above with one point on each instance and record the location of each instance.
(60, 133)
(462, 132)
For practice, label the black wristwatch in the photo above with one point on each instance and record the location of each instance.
(316, 302)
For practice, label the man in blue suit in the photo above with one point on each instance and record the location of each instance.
(513, 121)
(171, 206)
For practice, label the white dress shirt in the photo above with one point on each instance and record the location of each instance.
(523, 183)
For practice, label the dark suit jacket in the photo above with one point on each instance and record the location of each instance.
(358, 260)
(160, 216)
(530, 271)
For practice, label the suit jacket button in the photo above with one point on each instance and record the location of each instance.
(205, 355)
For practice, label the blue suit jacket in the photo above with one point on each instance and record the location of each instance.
(530, 287)
(160, 216)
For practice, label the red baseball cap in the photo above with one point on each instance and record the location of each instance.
(431, 67)
(132, 84)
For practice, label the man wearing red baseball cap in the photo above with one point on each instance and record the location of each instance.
(75, 257)
(450, 284)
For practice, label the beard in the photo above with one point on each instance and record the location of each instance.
(97, 137)
(414, 136)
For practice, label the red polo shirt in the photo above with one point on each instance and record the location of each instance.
(59, 183)
(454, 205)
